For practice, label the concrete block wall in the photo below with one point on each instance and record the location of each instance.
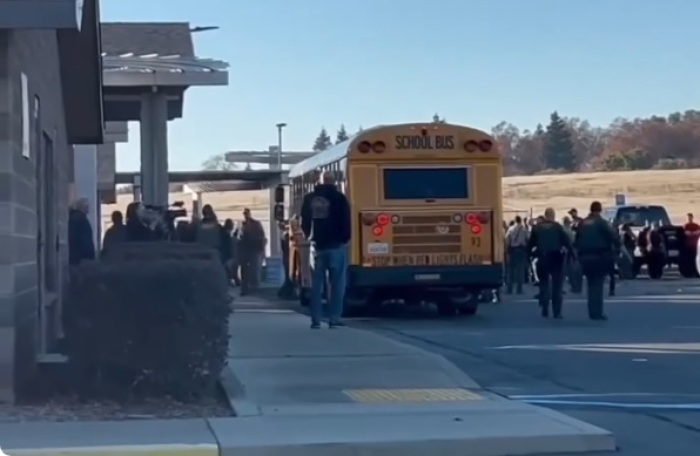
(35, 53)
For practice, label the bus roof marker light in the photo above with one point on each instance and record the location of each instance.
(486, 145)
(378, 147)
(364, 147)
(471, 146)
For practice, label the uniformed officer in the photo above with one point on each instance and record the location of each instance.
(550, 244)
(597, 244)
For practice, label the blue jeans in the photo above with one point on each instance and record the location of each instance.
(334, 262)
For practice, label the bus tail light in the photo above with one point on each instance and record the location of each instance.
(395, 219)
(368, 219)
(378, 230)
(484, 217)
(486, 145)
(383, 220)
(476, 229)
(471, 146)
(378, 147)
(364, 147)
(471, 218)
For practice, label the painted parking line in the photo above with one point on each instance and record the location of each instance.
(595, 400)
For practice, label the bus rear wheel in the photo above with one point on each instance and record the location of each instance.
(446, 307)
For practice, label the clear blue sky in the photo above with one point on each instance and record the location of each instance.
(314, 63)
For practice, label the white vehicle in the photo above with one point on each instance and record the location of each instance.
(637, 217)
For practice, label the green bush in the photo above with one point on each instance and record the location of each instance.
(152, 328)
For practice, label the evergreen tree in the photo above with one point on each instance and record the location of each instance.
(438, 120)
(218, 163)
(323, 141)
(559, 150)
(342, 135)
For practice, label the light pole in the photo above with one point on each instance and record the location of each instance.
(280, 127)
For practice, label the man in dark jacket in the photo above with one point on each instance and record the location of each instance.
(210, 233)
(81, 244)
(550, 244)
(326, 222)
(115, 234)
(597, 244)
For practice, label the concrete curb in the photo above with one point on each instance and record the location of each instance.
(126, 450)
(236, 395)
(185, 437)
(455, 373)
(508, 428)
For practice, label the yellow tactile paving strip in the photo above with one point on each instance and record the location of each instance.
(377, 396)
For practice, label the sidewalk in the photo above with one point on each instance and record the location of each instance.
(354, 390)
(339, 392)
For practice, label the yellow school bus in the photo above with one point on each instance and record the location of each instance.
(426, 213)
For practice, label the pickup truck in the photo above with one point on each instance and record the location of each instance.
(674, 249)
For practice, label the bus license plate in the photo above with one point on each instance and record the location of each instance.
(377, 248)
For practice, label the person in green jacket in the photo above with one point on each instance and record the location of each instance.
(597, 245)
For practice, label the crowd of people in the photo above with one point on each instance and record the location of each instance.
(540, 250)
(241, 246)
(550, 254)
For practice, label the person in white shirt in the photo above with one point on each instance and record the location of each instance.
(517, 238)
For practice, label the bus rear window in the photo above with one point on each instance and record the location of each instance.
(426, 183)
(641, 215)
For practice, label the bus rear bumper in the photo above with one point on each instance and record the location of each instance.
(467, 276)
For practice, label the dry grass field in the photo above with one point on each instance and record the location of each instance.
(678, 190)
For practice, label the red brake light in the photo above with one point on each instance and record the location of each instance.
(368, 219)
(383, 219)
(484, 217)
(486, 145)
(377, 230)
(471, 218)
(476, 229)
(471, 146)
(364, 147)
(378, 147)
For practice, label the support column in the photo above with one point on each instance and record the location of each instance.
(197, 206)
(85, 172)
(154, 148)
(274, 241)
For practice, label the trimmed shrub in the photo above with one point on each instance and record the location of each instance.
(162, 250)
(153, 328)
